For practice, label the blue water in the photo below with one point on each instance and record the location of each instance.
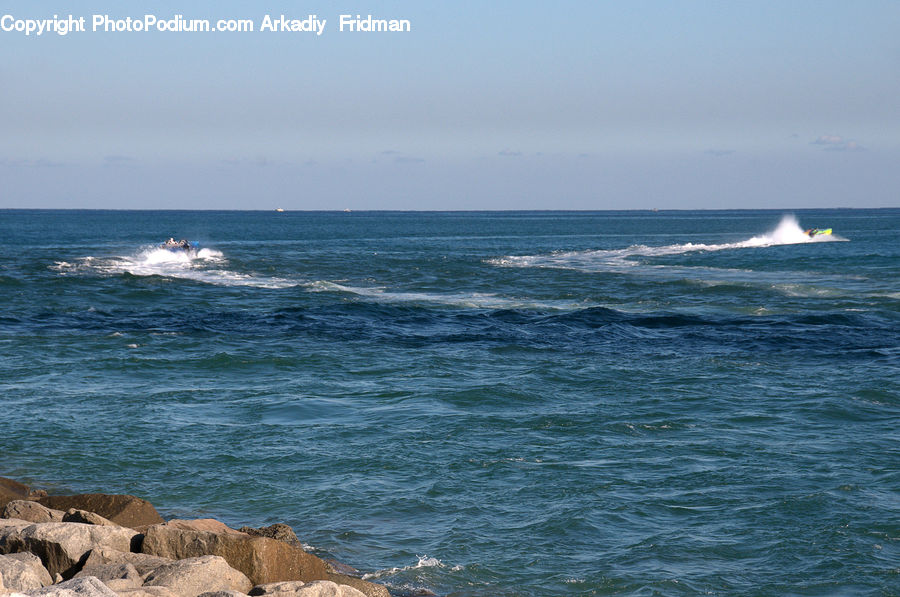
(534, 403)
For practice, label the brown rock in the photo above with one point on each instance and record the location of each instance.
(191, 576)
(64, 546)
(9, 531)
(319, 588)
(263, 560)
(12, 490)
(85, 517)
(123, 584)
(278, 531)
(142, 562)
(277, 588)
(125, 510)
(107, 572)
(23, 572)
(222, 594)
(31, 511)
(147, 592)
(332, 565)
(209, 525)
(77, 587)
(369, 589)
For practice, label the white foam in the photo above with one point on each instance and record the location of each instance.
(470, 300)
(157, 255)
(788, 232)
(424, 562)
(205, 265)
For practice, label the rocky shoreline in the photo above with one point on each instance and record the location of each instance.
(103, 545)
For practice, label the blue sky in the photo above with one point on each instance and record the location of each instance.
(482, 105)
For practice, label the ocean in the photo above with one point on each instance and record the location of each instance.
(478, 404)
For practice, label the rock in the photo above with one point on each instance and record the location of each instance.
(64, 546)
(123, 584)
(125, 510)
(278, 531)
(83, 516)
(147, 592)
(11, 491)
(77, 587)
(340, 568)
(142, 562)
(9, 529)
(222, 594)
(274, 588)
(191, 576)
(262, 559)
(23, 572)
(109, 572)
(31, 511)
(210, 525)
(369, 589)
(319, 588)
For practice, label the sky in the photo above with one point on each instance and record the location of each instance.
(481, 105)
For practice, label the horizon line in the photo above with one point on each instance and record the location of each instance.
(349, 211)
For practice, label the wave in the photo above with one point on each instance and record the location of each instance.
(424, 562)
(467, 300)
(788, 232)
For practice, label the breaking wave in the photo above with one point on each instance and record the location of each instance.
(424, 562)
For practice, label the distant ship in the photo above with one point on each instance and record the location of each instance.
(279, 209)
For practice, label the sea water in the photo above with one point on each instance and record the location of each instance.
(534, 403)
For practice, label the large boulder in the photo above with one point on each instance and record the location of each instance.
(209, 525)
(85, 517)
(147, 592)
(191, 576)
(369, 589)
(9, 530)
(12, 490)
(31, 511)
(142, 562)
(320, 588)
(118, 577)
(279, 531)
(125, 510)
(107, 572)
(263, 560)
(23, 572)
(77, 587)
(335, 571)
(64, 546)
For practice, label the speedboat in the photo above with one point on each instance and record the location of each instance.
(813, 232)
(178, 246)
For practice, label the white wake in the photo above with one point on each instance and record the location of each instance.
(208, 266)
(788, 232)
